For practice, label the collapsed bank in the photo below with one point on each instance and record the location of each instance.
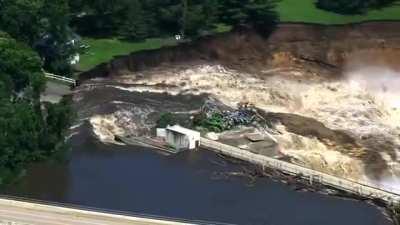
(348, 127)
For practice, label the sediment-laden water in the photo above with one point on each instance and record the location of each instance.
(140, 180)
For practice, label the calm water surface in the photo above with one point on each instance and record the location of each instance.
(182, 186)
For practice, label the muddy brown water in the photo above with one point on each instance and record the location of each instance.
(188, 185)
(139, 180)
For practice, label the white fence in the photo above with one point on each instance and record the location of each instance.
(61, 78)
(364, 189)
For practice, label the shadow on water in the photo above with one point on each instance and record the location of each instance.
(181, 186)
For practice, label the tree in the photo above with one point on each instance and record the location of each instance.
(43, 25)
(133, 25)
(28, 131)
(352, 7)
(167, 119)
(139, 19)
(259, 14)
(20, 67)
(21, 19)
(200, 16)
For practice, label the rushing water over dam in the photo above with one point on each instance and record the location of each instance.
(181, 186)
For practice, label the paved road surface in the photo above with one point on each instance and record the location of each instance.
(55, 91)
(20, 213)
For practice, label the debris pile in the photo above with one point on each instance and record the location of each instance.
(214, 118)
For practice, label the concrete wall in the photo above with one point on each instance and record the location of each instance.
(177, 140)
(363, 189)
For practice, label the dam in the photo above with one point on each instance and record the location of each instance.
(298, 79)
(193, 185)
(358, 188)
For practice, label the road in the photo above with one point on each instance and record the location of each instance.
(22, 213)
(54, 92)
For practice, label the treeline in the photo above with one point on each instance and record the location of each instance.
(139, 19)
(44, 26)
(353, 6)
(29, 131)
(33, 35)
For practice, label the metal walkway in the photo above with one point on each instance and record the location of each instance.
(61, 78)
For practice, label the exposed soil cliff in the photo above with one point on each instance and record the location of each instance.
(332, 92)
(328, 46)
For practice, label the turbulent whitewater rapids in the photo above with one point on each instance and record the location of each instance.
(340, 118)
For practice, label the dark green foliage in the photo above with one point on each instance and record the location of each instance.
(20, 133)
(352, 7)
(21, 19)
(20, 68)
(257, 13)
(166, 119)
(133, 26)
(138, 19)
(58, 50)
(200, 17)
(43, 25)
(28, 131)
(59, 116)
(215, 123)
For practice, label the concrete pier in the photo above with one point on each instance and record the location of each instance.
(363, 189)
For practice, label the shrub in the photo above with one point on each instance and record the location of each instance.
(166, 119)
(352, 7)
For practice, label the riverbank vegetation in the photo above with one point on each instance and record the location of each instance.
(29, 130)
(116, 31)
(53, 27)
(307, 11)
(138, 25)
(352, 7)
(44, 26)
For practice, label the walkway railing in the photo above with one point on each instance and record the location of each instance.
(365, 189)
(61, 78)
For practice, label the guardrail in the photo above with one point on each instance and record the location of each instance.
(61, 78)
(364, 189)
(109, 211)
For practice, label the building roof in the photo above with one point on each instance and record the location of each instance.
(182, 130)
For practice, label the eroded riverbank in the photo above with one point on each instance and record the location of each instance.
(326, 109)
(331, 91)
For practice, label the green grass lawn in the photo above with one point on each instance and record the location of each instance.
(103, 49)
(305, 11)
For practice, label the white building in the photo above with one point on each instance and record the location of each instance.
(181, 138)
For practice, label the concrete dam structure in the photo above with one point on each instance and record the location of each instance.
(362, 189)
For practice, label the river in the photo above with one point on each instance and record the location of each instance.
(140, 180)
